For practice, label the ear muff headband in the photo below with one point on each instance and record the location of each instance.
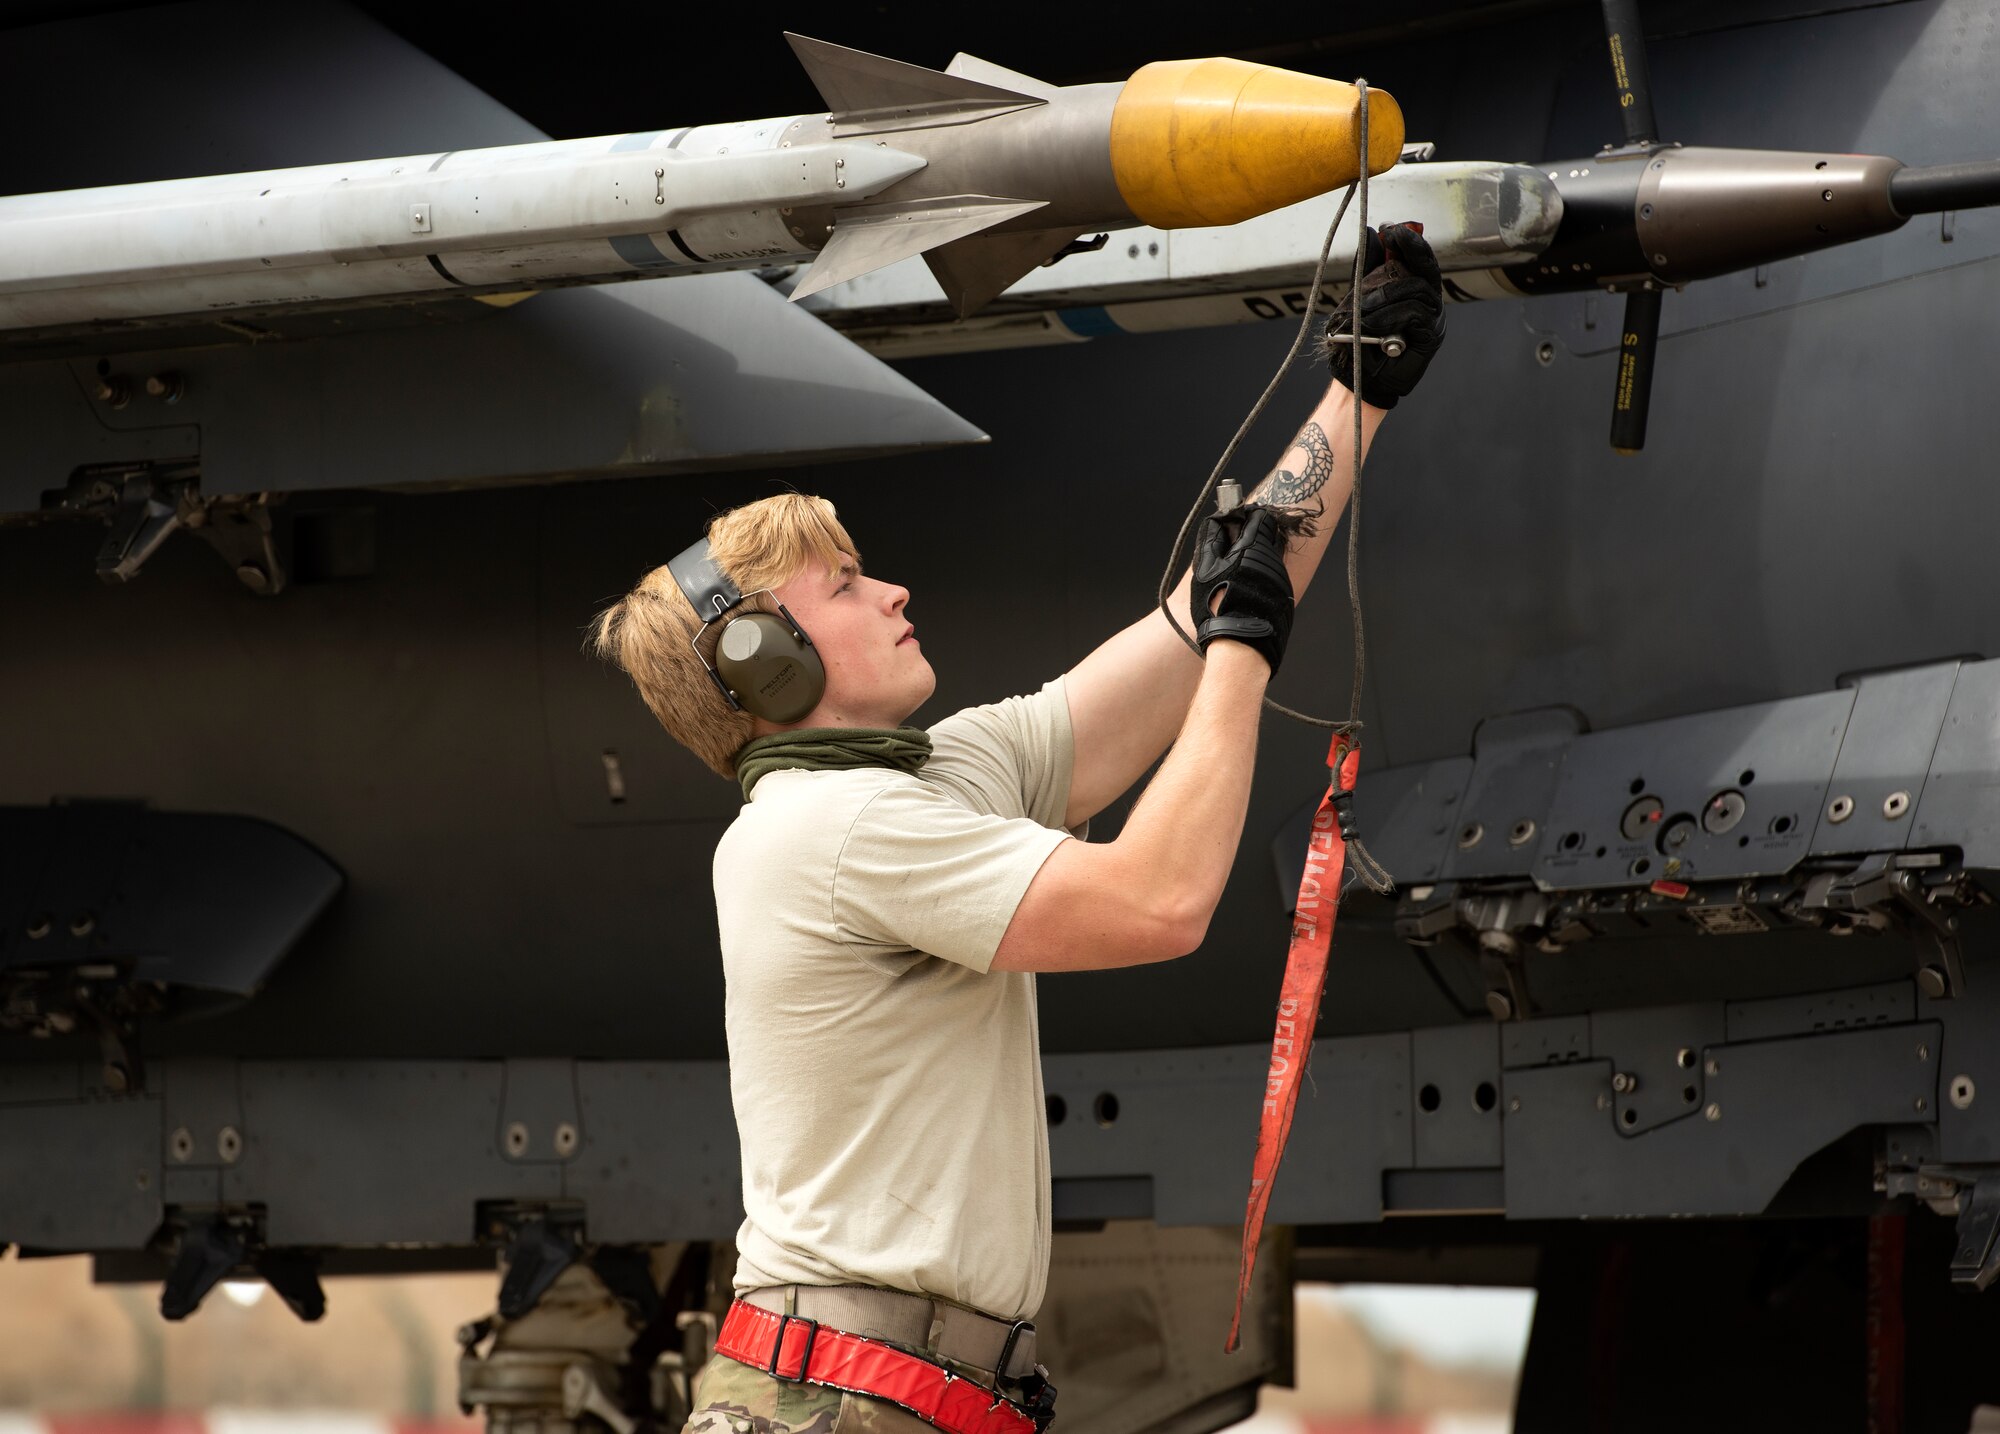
(764, 662)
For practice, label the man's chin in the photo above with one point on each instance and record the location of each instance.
(921, 691)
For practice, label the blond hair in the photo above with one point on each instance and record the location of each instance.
(650, 632)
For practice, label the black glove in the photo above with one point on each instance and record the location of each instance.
(1241, 556)
(1401, 294)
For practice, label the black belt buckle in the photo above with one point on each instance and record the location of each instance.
(1007, 1351)
(1039, 1402)
(778, 1348)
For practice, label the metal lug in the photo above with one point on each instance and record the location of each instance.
(1976, 1262)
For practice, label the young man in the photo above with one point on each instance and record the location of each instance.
(887, 894)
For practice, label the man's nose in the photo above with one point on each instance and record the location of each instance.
(894, 597)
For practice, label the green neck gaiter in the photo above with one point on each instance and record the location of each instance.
(832, 749)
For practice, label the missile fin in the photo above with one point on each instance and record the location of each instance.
(973, 272)
(857, 85)
(867, 239)
(971, 67)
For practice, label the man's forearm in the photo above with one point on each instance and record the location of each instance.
(1182, 836)
(1128, 698)
(1317, 474)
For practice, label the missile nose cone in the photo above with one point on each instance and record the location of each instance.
(1197, 142)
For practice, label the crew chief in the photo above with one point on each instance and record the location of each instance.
(887, 895)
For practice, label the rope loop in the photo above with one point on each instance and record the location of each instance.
(1371, 871)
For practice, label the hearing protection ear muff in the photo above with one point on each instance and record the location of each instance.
(764, 662)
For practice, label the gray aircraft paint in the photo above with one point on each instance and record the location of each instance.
(1764, 544)
(1813, 501)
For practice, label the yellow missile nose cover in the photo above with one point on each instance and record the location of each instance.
(1217, 141)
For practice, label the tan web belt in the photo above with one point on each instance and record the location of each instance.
(963, 1336)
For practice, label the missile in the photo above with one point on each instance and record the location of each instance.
(1476, 216)
(1628, 220)
(984, 172)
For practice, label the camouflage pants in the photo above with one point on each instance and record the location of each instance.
(732, 1398)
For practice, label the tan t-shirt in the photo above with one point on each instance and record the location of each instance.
(888, 1087)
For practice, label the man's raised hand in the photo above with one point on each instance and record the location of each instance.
(1401, 295)
(1240, 590)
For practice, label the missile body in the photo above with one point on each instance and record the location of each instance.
(513, 218)
(1476, 217)
(984, 172)
(1655, 216)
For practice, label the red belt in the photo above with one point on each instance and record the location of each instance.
(789, 1348)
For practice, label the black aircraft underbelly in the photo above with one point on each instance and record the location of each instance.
(434, 726)
(1811, 504)
(523, 859)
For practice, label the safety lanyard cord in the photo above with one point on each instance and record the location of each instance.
(1370, 870)
(1326, 853)
(1298, 1003)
